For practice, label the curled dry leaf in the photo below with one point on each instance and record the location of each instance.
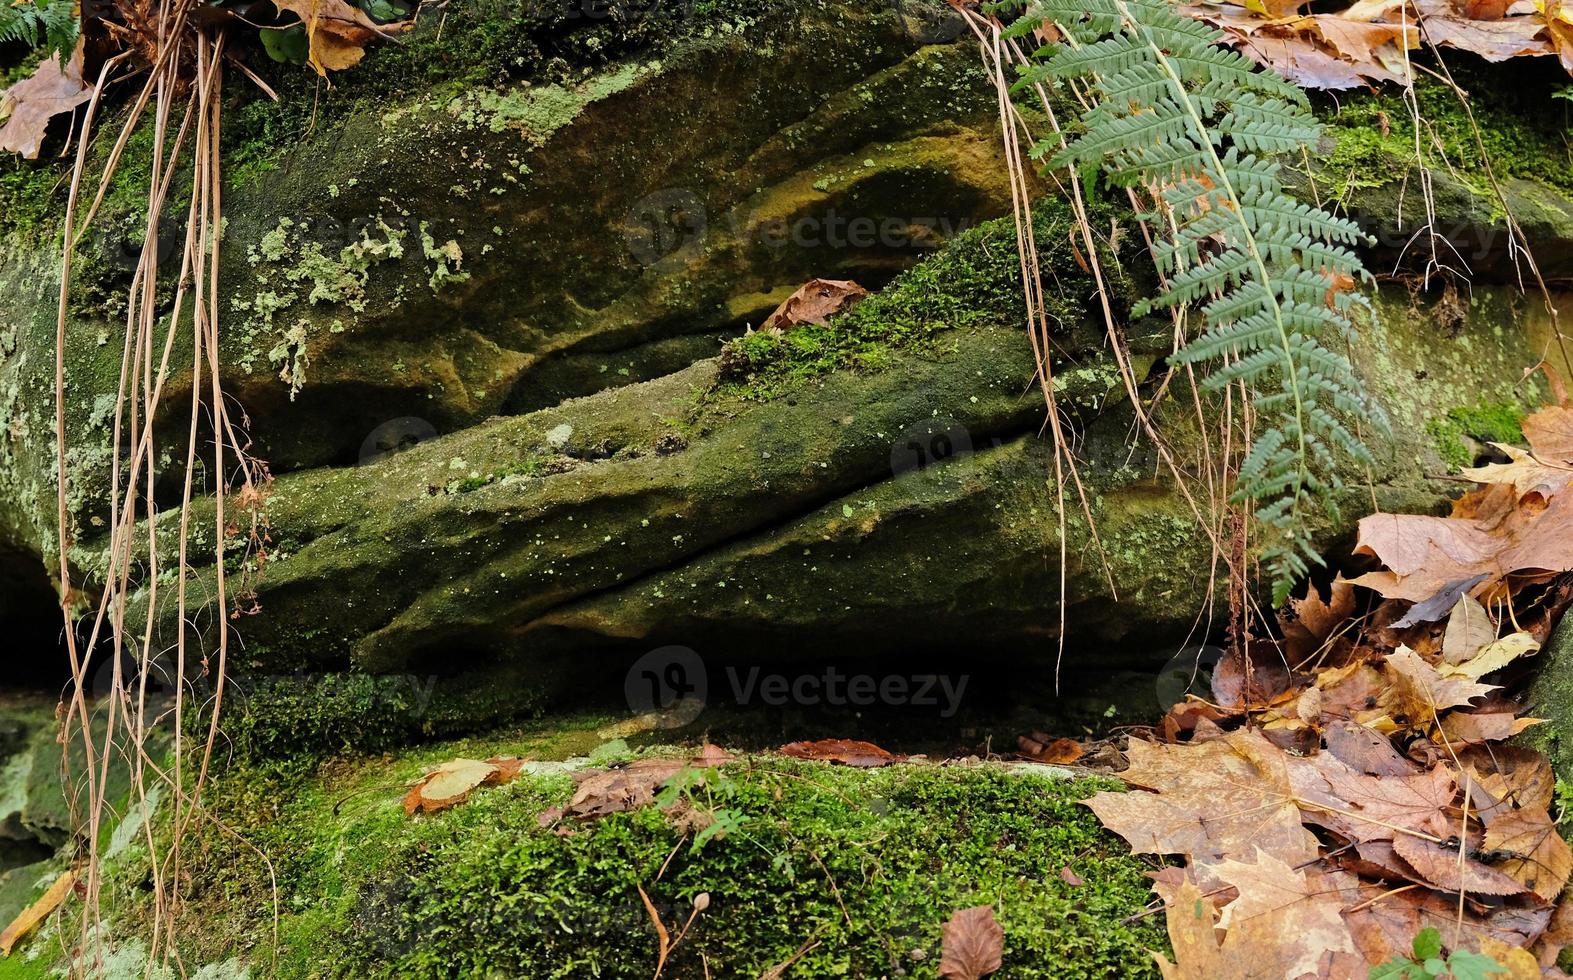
(972, 945)
(815, 302)
(32, 102)
(452, 782)
(1052, 751)
(606, 791)
(845, 751)
(337, 32)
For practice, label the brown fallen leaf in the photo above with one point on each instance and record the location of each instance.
(1445, 869)
(1469, 627)
(36, 913)
(1419, 692)
(844, 751)
(1059, 751)
(1071, 878)
(1208, 801)
(1193, 935)
(1285, 919)
(1549, 431)
(972, 944)
(1364, 750)
(607, 791)
(32, 102)
(815, 302)
(1540, 859)
(337, 32)
(1493, 40)
(1315, 619)
(1373, 806)
(1524, 472)
(1480, 727)
(452, 782)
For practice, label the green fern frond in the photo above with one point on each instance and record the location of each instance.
(47, 25)
(1197, 125)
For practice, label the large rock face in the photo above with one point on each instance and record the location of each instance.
(531, 281)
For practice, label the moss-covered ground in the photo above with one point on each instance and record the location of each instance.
(855, 870)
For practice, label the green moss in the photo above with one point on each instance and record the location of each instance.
(868, 863)
(1523, 132)
(973, 281)
(470, 48)
(1486, 422)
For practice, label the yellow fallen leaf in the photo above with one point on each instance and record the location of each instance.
(37, 912)
(1493, 656)
(1519, 962)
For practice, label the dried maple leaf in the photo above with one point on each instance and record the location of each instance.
(1303, 62)
(1449, 870)
(452, 782)
(32, 102)
(1315, 620)
(1493, 40)
(1510, 774)
(815, 302)
(1374, 807)
(1549, 431)
(1524, 472)
(1208, 800)
(1385, 922)
(1419, 692)
(1283, 916)
(36, 913)
(337, 32)
(972, 944)
(845, 751)
(1193, 935)
(1540, 859)
(1479, 727)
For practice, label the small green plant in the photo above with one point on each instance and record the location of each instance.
(703, 791)
(1430, 964)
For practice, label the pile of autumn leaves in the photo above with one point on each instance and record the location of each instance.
(1370, 41)
(1352, 786)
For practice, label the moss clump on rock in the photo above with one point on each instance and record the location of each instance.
(1485, 422)
(1521, 130)
(974, 281)
(867, 864)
